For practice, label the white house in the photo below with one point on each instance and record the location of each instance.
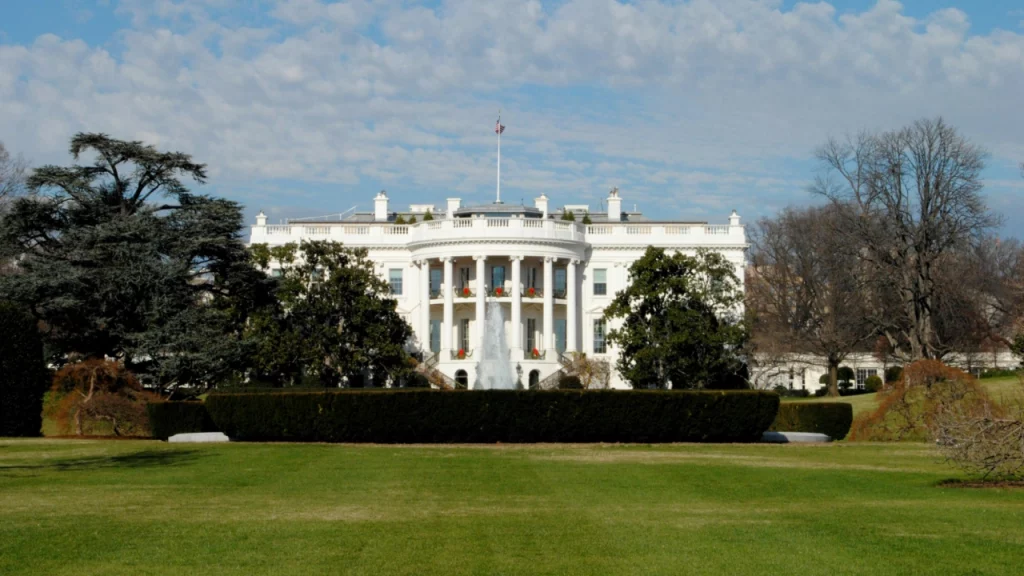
(553, 278)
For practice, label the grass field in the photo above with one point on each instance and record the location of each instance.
(145, 507)
(1001, 389)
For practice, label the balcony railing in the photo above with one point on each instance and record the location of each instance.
(387, 233)
(462, 354)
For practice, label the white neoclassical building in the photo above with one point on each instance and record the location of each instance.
(552, 277)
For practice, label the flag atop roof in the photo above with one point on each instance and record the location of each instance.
(498, 128)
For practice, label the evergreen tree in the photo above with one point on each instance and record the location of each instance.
(23, 374)
(428, 216)
(680, 322)
(119, 259)
(568, 215)
(335, 318)
(586, 218)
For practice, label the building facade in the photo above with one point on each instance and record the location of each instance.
(552, 277)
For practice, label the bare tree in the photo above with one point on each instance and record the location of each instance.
(806, 293)
(908, 198)
(12, 175)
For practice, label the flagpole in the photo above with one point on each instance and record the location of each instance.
(499, 160)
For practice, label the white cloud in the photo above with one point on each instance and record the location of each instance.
(697, 104)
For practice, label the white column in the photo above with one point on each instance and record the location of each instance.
(481, 295)
(570, 306)
(449, 309)
(517, 307)
(549, 307)
(425, 306)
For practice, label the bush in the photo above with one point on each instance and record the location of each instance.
(873, 384)
(785, 392)
(95, 391)
(169, 418)
(893, 374)
(846, 375)
(405, 416)
(831, 418)
(999, 373)
(23, 374)
(567, 382)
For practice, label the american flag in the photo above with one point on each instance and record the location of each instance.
(498, 128)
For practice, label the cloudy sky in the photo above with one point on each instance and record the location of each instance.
(692, 108)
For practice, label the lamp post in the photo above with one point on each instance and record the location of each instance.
(519, 376)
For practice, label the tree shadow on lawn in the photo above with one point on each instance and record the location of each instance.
(142, 459)
(978, 483)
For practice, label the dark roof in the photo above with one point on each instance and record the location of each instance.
(499, 209)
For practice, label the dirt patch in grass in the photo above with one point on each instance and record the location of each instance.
(957, 483)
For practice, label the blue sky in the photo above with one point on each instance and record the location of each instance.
(691, 108)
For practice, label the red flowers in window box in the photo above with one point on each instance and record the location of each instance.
(535, 353)
(532, 291)
(462, 353)
(465, 291)
(498, 291)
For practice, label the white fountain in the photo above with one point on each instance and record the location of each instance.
(494, 370)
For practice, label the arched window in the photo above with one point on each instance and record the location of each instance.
(534, 379)
(461, 379)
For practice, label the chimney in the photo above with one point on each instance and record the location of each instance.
(261, 219)
(734, 219)
(453, 205)
(542, 204)
(614, 206)
(380, 206)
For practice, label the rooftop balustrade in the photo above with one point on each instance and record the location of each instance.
(386, 233)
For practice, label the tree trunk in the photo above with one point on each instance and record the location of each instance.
(833, 379)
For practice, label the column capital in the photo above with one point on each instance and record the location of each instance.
(574, 261)
(519, 258)
(479, 257)
(550, 259)
(447, 259)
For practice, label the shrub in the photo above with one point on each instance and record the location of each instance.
(999, 373)
(23, 374)
(873, 384)
(831, 418)
(169, 418)
(404, 416)
(982, 440)
(845, 375)
(893, 374)
(568, 382)
(94, 391)
(909, 406)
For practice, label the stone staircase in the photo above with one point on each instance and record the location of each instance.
(428, 368)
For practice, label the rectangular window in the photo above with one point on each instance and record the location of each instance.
(560, 335)
(435, 336)
(863, 374)
(435, 282)
(464, 335)
(531, 334)
(395, 279)
(600, 282)
(318, 273)
(463, 278)
(497, 277)
(531, 278)
(599, 344)
(277, 273)
(559, 282)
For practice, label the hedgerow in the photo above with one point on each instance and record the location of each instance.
(831, 418)
(23, 373)
(169, 418)
(408, 416)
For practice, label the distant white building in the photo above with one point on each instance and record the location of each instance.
(552, 277)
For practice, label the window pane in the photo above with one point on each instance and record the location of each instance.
(531, 337)
(395, 279)
(435, 281)
(599, 343)
(560, 283)
(560, 335)
(435, 336)
(497, 277)
(464, 335)
(600, 282)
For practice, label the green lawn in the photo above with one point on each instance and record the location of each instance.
(145, 507)
(1003, 390)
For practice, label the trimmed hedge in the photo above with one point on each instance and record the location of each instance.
(832, 418)
(409, 416)
(23, 374)
(169, 418)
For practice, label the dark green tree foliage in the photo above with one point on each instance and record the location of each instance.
(169, 418)
(23, 374)
(119, 259)
(334, 320)
(680, 322)
(568, 215)
(403, 416)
